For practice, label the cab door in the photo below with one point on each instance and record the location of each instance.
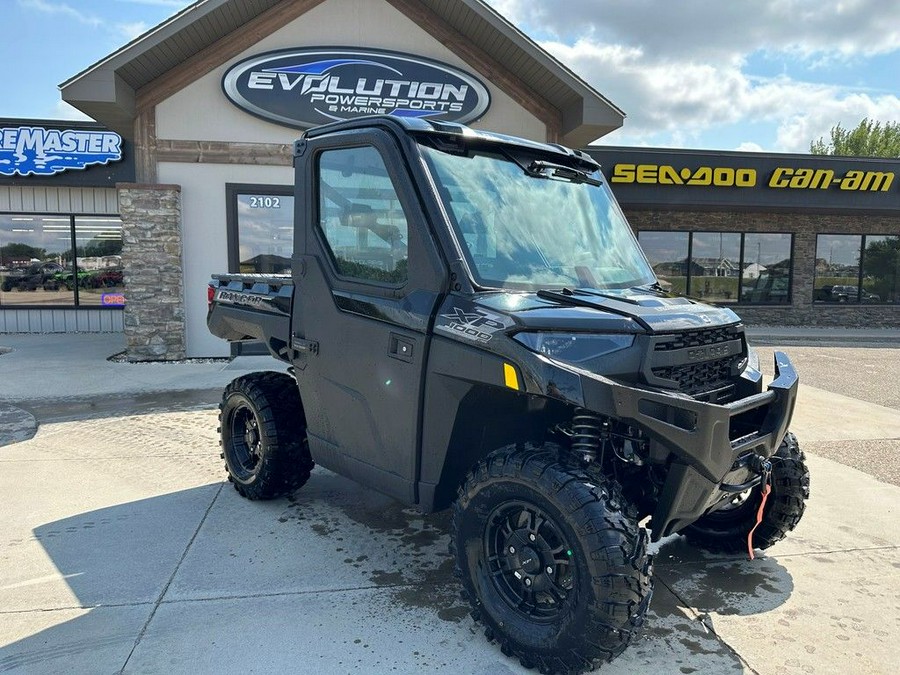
(368, 279)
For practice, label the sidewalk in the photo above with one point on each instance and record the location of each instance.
(832, 337)
(60, 365)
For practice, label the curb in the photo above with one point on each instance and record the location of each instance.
(16, 425)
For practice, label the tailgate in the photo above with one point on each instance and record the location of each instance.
(246, 307)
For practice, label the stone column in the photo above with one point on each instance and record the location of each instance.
(154, 276)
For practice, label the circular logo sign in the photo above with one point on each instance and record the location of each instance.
(306, 87)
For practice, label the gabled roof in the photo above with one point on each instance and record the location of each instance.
(106, 90)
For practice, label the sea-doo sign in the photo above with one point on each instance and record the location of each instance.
(304, 87)
(33, 150)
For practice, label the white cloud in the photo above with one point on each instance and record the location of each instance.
(62, 9)
(707, 28)
(129, 31)
(680, 69)
(749, 146)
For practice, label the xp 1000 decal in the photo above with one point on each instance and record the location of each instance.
(305, 87)
(476, 324)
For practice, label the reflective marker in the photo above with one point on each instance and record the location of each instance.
(510, 376)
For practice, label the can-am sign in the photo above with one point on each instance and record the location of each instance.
(27, 150)
(305, 87)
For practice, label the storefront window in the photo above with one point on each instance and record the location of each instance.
(724, 267)
(841, 279)
(881, 269)
(668, 255)
(766, 265)
(715, 266)
(265, 231)
(40, 267)
(98, 247)
(36, 261)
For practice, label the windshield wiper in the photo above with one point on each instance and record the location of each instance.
(540, 169)
(570, 297)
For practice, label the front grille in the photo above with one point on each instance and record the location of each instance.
(699, 378)
(696, 338)
(677, 362)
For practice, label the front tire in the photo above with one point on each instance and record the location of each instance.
(263, 436)
(726, 530)
(551, 559)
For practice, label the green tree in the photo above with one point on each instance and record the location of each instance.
(868, 139)
(881, 268)
(16, 251)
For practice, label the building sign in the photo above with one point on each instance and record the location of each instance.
(112, 299)
(39, 151)
(781, 177)
(651, 178)
(302, 88)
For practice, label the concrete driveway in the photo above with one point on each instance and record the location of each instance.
(121, 550)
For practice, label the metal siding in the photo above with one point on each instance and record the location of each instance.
(99, 201)
(61, 321)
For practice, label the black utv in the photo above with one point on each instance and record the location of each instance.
(470, 324)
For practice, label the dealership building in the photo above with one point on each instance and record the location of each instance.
(118, 225)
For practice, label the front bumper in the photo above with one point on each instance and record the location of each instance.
(706, 442)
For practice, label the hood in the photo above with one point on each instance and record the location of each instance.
(605, 311)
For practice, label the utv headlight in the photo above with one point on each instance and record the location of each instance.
(574, 347)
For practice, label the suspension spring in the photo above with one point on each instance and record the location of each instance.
(589, 434)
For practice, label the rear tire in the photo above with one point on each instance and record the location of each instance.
(551, 559)
(726, 530)
(263, 436)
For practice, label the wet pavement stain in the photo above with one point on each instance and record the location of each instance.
(390, 544)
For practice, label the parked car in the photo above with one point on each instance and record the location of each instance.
(844, 293)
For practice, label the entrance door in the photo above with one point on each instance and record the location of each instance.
(260, 237)
(365, 292)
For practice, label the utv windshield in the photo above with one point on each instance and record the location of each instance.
(532, 224)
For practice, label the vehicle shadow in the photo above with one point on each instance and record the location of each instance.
(331, 537)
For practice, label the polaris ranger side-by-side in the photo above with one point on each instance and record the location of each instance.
(470, 323)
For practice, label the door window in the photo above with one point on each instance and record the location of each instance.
(361, 217)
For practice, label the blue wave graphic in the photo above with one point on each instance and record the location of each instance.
(322, 67)
(48, 164)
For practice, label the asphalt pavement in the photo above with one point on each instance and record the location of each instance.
(122, 549)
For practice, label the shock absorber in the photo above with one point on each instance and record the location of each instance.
(590, 433)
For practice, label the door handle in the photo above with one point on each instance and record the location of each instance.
(400, 347)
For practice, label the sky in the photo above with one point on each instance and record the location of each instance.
(751, 75)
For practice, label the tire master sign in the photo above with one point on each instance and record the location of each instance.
(43, 152)
(305, 87)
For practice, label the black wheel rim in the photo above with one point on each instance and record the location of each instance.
(245, 444)
(529, 561)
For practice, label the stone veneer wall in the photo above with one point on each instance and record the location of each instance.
(154, 278)
(802, 311)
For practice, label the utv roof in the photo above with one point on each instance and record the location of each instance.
(468, 136)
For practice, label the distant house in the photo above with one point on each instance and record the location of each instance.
(753, 270)
(714, 267)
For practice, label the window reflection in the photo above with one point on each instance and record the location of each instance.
(35, 261)
(722, 266)
(265, 232)
(881, 269)
(668, 255)
(99, 273)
